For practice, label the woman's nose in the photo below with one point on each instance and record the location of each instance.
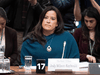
(89, 24)
(48, 20)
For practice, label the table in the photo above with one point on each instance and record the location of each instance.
(22, 72)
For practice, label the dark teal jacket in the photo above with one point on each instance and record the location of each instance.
(37, 51)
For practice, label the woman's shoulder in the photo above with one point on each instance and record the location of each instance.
(10, 32)
(30, 37)
(66, 35)
(78, 30)
(26, 41)
(10, 29)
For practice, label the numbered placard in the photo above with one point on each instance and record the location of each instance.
(40, 66)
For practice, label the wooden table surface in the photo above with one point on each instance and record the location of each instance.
(33, 72)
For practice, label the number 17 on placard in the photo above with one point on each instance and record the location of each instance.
(40, 66)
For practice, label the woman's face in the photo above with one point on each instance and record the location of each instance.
(2, 23)
(90, 22)
(49, 22)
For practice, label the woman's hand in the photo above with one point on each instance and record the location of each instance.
(4, 57)
(33, 2)
(91, 0)
(9, 58)
(91, 58)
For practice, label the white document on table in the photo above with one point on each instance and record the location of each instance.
(83, 66)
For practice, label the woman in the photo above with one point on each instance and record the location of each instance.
(46, 41)
(88, 36)
(8, 38)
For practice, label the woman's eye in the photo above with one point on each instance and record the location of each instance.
(91, 21)
(45, 17)
(53, 18)
(2, 23)
(86, 21)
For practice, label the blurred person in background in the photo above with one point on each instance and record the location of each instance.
(22, 14)
(66, 8)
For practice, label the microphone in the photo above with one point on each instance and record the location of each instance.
(64, 44)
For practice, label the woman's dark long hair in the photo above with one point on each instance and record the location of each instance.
(37, 33)
(3, 13)
(92, 13)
